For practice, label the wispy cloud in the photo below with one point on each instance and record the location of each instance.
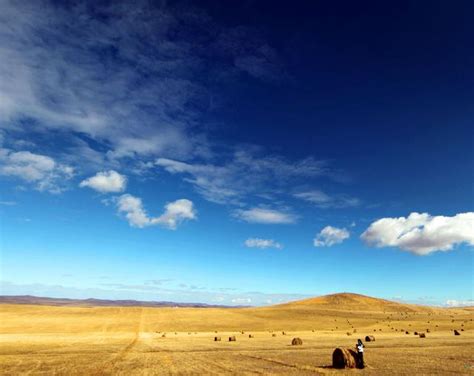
(175, 213)
(8, 203)
(245, 175)
(422, 233)
(262, 243)
(264, 216)
(459, 303)
(43, 172)
(330, 236)
(324, 200)
(134, 78)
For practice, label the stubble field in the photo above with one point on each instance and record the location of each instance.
(49, 340)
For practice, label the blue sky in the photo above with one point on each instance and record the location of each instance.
(252, 154)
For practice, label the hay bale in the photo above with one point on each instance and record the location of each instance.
(344, 358)
(407, 332)
(232, 339)
(250, 335)
(349, 333)
(217, 339)
(428, 331)
(456, 333)
(369, 338)
(415, 333)
(422, 335)
(296, 341)
(284, 333)
(274, 335)
(163, 335)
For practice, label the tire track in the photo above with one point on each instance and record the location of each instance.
(109, 366)
(123, 353)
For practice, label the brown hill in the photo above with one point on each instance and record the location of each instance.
(350, 301)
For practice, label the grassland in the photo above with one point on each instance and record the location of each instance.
(46, 340)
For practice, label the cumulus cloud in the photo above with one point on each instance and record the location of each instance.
(40, 170)
(106, 182)
(329, 236)
(262, 243)
(265, 216)
(421, 234)
(324, 200)
(175, 212)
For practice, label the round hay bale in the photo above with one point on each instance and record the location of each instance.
(284, 333)
(422, 335)
(232, 339)
(415, 333)
(274, 335)
(407, 332)
(163, 335)
(296, 341)
(349, 333)
(369, 338)
(456, 333)
(217, 339)
(250, 335)
(344, 358)
(428, 331)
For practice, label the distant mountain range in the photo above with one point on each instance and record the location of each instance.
(39, 300)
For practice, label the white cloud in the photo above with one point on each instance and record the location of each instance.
(175, 212)
(132, 77)
(106, 182)
(329, 236)
(244, 174)
(241, 300)
(44, 172)
(8, 203)
(421, 234)
(262, 243)
(266, 216)
(459, 303)
(323, 200)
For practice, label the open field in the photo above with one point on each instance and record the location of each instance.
(49, 340)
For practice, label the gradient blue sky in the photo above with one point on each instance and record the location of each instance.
(237, 152)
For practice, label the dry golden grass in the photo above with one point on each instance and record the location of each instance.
(45, 340)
